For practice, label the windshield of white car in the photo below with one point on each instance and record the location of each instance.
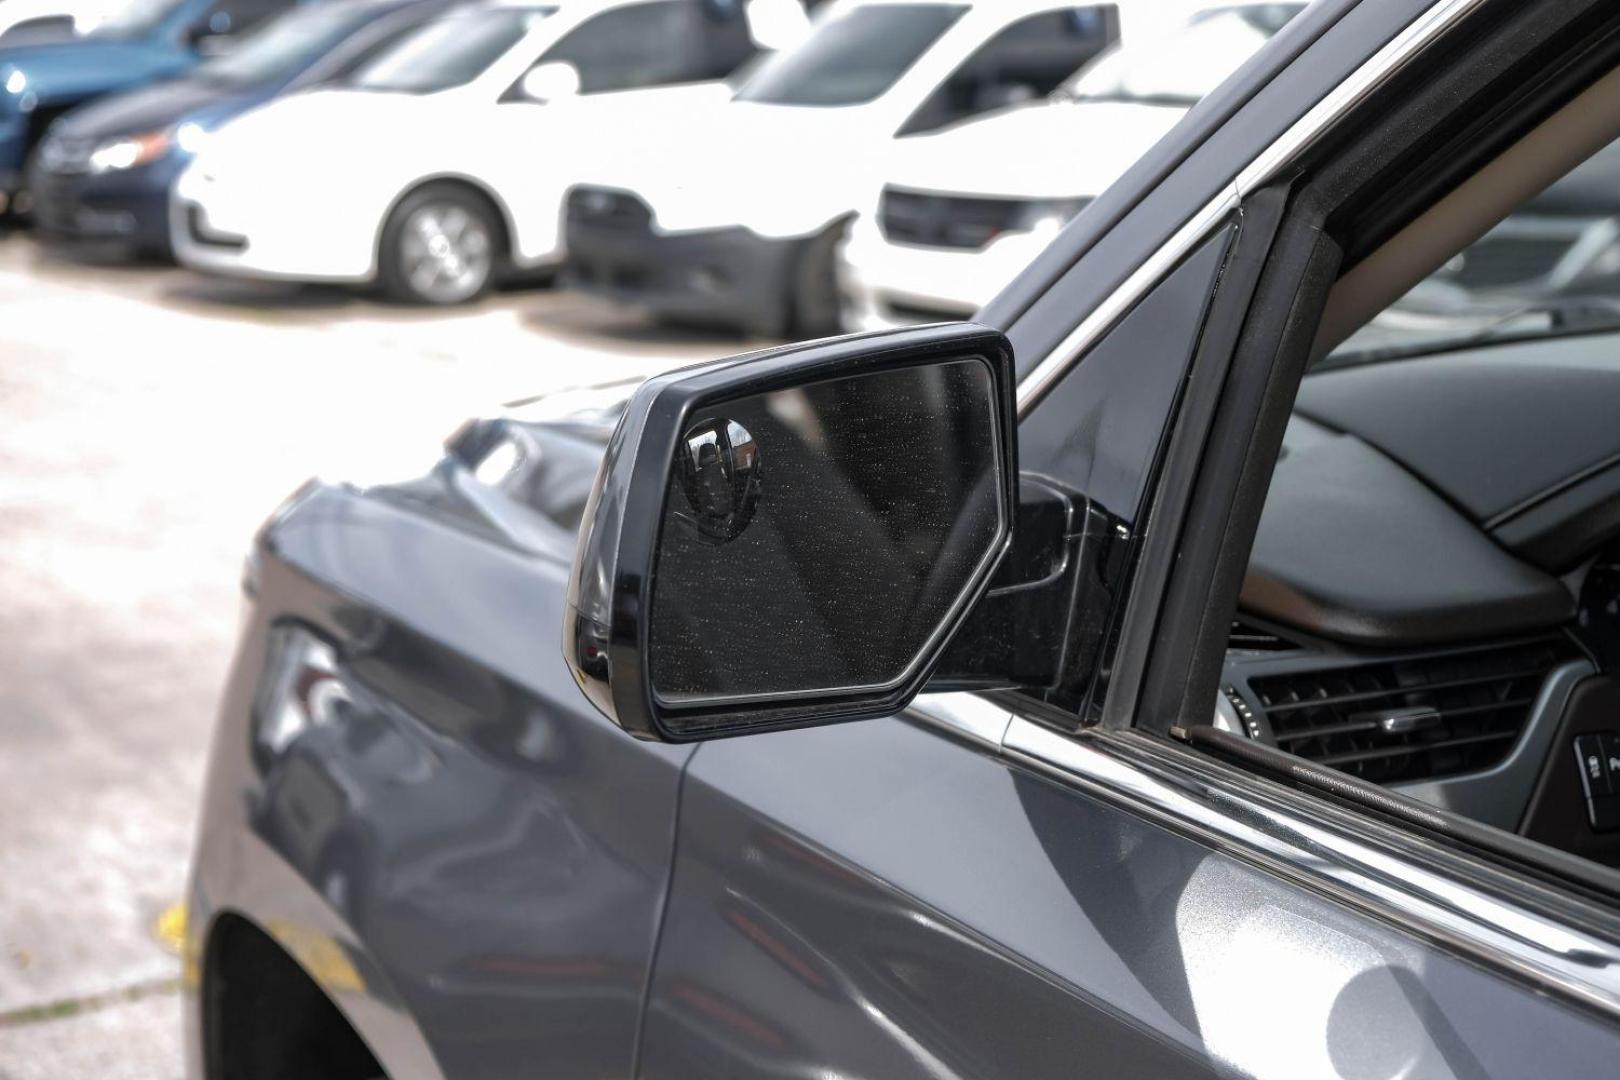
(286, 46)
(852, 58)
(136, 18)
(449, 52)
(1182, 68)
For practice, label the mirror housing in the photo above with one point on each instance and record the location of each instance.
(792, 537)
(552, 81)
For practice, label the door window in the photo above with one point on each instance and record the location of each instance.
(666, 41)
(852, 58)
(448, 52)
(1431, 603)
(1023, 62)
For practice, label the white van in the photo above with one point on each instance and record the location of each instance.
(962, 212)
(732, 214)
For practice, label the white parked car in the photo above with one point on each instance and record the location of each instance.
(732, 215)
(962, 212)
(23, 20)
(436, 169)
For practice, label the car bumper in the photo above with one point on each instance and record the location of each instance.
(128, 207)
(891, 284)
(730, 276)
(259, 234)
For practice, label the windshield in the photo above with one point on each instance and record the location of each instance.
(1182, 68)
(853, 58)
(137, 17)
(1551, 268)
(287, 45)
(448, 53)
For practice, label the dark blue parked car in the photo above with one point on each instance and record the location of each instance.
(104, 171)
(146, 41)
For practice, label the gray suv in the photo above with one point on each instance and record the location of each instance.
(1204, 664)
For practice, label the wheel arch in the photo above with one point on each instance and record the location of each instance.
(479, 189)
(274, 999)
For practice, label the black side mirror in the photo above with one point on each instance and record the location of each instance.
(793, 537)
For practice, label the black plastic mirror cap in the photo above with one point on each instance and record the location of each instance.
(610, 587)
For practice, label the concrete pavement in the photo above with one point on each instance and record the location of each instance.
(149, 420)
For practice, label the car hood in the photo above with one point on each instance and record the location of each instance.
(289, 134)
(65, 71)
(1059, 150)
(735, 163)
(538, 503)
(152, 108)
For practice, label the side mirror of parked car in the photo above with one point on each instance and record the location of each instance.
(792, 537)
(554, 81)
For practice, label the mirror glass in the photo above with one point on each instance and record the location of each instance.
(817, 537)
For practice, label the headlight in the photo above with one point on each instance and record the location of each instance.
(130, 151)
(190, 137)
(16, 82)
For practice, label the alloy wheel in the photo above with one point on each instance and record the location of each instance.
(445, 252)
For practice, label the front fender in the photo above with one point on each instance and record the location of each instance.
(463, 852)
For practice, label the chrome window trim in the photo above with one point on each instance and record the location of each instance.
(1421, 898)
(1282, 153)
(966, 715)
(1418, 896)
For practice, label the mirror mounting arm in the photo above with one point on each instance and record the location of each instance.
(1040, 624)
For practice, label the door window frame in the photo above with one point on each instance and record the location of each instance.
(1532, 914)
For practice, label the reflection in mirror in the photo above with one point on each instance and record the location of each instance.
(817, 537)
(719, 468)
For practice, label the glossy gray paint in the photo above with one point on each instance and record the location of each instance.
(487, 851)
(879, 900)
(476, 866)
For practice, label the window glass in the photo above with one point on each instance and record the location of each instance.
(287, 45)
(1024, 61)
(138, 17)
(1551, 268)
(1432, 600)
(448, 53)
(651, 44)
(853, 58)
(1181, 69)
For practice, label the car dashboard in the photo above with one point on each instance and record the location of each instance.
(1433, 598)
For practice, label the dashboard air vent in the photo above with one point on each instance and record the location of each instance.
(1413, 719)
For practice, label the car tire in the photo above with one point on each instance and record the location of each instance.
(816, 306)
(439, 247)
